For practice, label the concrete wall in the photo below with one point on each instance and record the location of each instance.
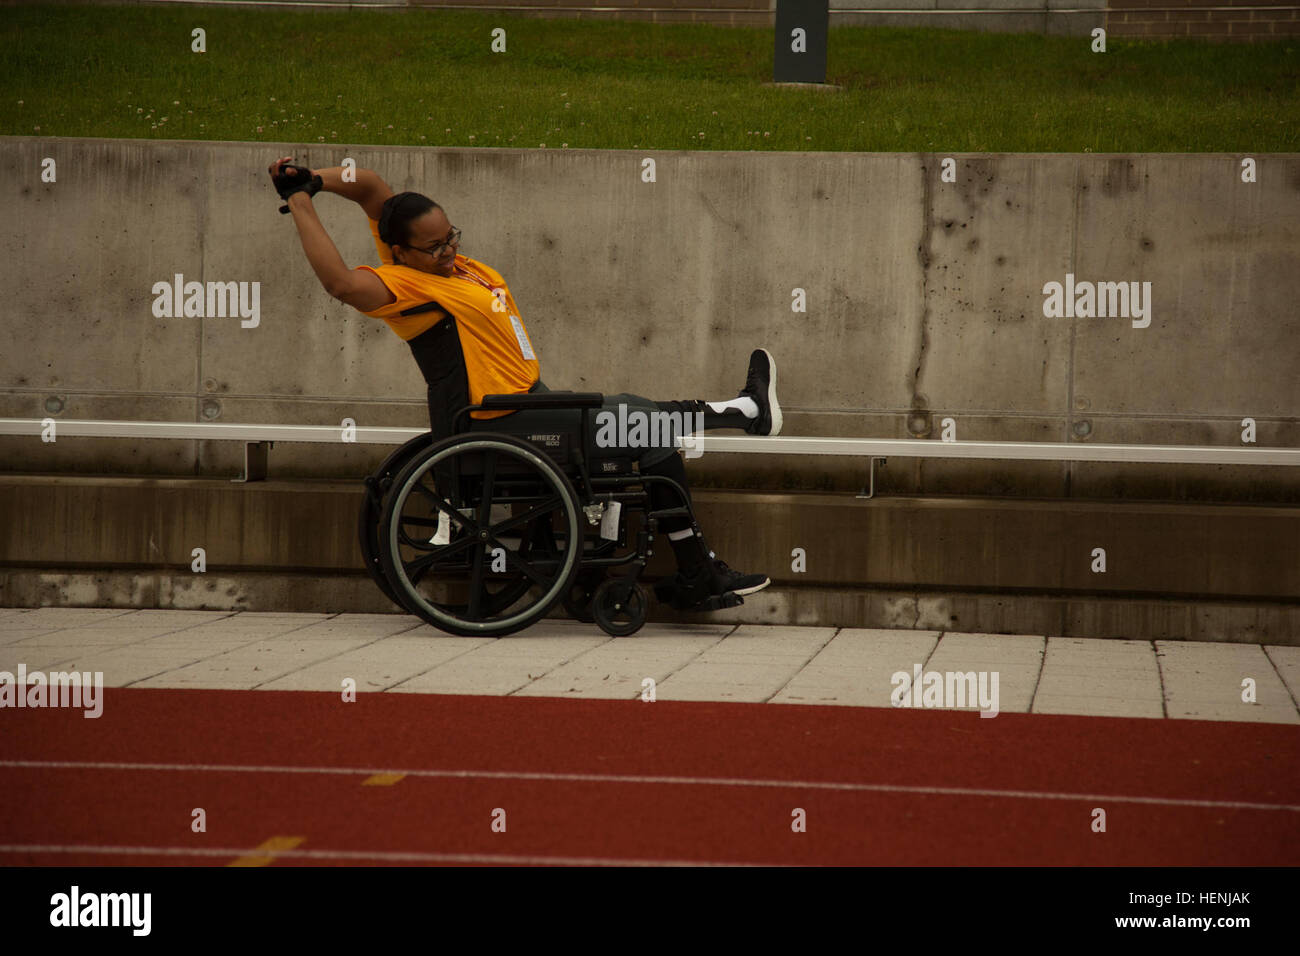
(1218, 552)
(1235, 20)
(1059, 17)
(1054, 17)
(1173, 571)
(1239, 20)
(924, 301)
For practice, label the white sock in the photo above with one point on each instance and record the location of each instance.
(443, 535)
(747, 406)
(680, 535)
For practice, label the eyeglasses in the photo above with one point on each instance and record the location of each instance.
(452, 239)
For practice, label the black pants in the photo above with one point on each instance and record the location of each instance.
(608, 442)
(659, 458)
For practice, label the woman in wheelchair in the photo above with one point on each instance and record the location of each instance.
(465, 333)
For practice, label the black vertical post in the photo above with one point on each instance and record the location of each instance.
(801, 30)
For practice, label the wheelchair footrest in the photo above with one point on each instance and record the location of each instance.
(667, 593)
(672, 513)
(719, 601)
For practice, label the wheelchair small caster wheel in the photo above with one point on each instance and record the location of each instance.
(620, 606)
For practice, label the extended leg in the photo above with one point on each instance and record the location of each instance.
(755, 410)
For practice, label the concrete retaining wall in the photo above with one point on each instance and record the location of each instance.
(1233, 20)
(1085, 616)
(1238, 20)
(1173, 571)
(924, 301)
(1053, 17)
(1059, 17)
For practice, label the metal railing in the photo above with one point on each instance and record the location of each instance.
(259, 438)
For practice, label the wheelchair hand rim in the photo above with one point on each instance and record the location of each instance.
(456, 445)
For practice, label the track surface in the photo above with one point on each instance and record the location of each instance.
(590, 781)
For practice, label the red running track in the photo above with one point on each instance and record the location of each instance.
(585, 781)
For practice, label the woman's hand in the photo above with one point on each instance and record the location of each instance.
(289, 179)
(275, 168)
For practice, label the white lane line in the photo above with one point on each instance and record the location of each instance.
(394, 856)
(635, 778)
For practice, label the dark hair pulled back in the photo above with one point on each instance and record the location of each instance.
(400, 210)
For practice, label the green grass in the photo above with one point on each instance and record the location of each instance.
(428, 78)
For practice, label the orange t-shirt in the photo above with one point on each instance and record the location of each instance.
(499, 358)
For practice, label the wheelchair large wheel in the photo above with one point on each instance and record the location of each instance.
(368, 520)
(515, 541)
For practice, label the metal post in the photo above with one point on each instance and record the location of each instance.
(870, 490)
(801, 33)
(254, 461)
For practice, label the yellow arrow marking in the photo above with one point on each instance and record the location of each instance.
(382, 779)
(269, 846)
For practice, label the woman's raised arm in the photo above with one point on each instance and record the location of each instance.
(359, 288)
(368, 191)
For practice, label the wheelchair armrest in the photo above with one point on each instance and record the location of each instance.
(543, 400)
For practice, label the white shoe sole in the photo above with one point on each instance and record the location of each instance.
(773, 405)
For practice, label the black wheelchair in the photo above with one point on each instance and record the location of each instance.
(484, 532)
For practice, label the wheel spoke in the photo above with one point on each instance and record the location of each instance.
(476, 582)
(513, 560)
(441, 505)
(516, 520)
(434, 498)
(489, 481)
(430, 558)
(440, 550)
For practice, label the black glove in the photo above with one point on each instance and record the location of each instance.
(289, 179)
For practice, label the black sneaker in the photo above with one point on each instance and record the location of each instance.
(760, 385)
(701, 591)
(666, 590)
(738, 582)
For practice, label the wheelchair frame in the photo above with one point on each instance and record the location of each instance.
(502, 572)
